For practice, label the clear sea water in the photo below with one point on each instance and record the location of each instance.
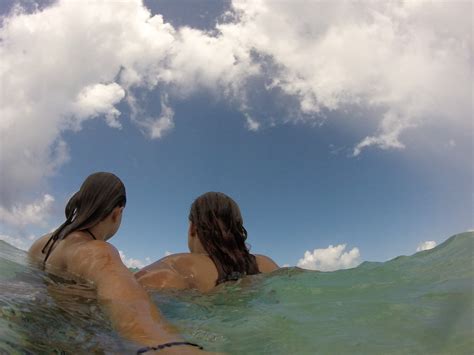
(419, 304)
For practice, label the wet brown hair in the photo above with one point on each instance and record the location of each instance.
(99, 194)
(220, 230)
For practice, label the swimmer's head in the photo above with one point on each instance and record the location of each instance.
(100, 196)
(97, 198)
(216, 229)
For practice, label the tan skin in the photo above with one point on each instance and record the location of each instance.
(194, 270)
(127, 304)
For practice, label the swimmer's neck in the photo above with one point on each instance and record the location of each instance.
(101, 231)
(105, 229)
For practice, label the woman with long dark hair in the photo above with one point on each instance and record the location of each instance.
(218, 250)
(78, 249)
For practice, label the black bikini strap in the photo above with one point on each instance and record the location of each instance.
(52, 240)
(92, 235)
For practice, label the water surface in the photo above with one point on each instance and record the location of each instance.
(415, 304)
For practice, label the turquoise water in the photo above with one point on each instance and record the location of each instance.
(419, 304)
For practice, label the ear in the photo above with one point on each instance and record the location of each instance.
(116, 213)
(192, 229)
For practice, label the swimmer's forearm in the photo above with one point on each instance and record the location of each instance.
(127, 304)
(133, 314)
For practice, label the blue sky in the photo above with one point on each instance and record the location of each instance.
(311, 160)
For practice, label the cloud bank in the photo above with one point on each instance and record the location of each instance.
(70, 63)
(330, 259)
(35, 213)
(397, 56)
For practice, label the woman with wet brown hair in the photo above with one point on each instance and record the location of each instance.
(218, 250)
(78, 250)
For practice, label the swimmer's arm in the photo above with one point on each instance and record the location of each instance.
(128, 305)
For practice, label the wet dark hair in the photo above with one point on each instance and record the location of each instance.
(220, 230)
(99, 194)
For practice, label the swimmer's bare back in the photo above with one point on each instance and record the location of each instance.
(189, 271)
(62, 255)
(128, 305)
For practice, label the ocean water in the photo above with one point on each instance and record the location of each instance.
(419, 304)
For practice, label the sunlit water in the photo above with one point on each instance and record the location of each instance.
(420, 304)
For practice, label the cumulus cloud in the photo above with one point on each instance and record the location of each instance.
(36, 213)
(99, 99)
(330, 259)
(68, 63)
(398, 56)
(430, 244)
(132, 262)
(395, 56)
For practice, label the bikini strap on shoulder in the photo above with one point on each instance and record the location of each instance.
(92, 235)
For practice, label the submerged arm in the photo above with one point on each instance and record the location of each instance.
(128, 305)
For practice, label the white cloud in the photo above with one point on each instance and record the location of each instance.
(252, 124)
(36, 213)
(398, 57)
(17, 242)
(134, 263)
(99, 99)
(70, 63)
(58, 70)
(154, 128)
(391, 128)
(168, 253)
(430, 244)
(330, 259)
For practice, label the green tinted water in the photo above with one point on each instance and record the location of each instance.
(418, 304)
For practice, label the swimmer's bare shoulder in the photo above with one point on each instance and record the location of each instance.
(93, 259)
(188, 270)
(34, 253)
(266, 264)
(179, 271)
(65, 251)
